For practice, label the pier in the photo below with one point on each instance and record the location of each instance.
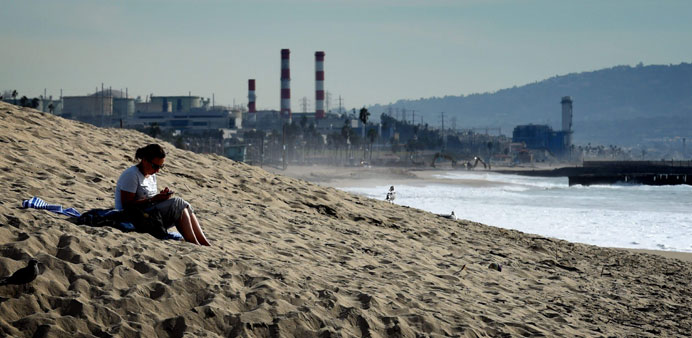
(635, 172)
(611, 172)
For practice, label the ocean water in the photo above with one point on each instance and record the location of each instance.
(624, 216)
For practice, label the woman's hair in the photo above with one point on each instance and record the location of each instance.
(150, 152)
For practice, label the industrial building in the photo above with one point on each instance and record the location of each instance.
(104, 108)
(543, 137)
(86, 108)
(184, 113)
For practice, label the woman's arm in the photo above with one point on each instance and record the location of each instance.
(128, 199)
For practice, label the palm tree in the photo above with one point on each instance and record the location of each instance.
(372, 135)
(14, 96)
(364, 115)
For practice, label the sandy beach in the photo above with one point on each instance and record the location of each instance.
(291, 258)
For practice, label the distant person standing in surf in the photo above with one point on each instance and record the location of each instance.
(391, 195)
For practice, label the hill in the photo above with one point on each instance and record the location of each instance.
(293, 259)
(622, 105)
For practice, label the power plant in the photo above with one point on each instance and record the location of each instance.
(543, 137)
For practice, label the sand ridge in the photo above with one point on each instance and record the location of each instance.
(293, 259)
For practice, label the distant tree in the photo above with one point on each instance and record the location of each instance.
(154, 130)
(179, 142)
(24, 101)
(364, 115)
(14, 96)
(35, 102)
(395, 145)
(346, 131)
(303, 121)
(51, 108)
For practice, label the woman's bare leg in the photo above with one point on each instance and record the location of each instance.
(199, 234)
(185, 227)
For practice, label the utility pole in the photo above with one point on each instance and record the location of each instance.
(283, 148)
(305, 104)
(340, 105)
(101, 104)
(444, 133)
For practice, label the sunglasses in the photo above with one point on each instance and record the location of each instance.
(156, 166)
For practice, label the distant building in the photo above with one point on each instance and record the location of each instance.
(543, 137)
(103, 108)
(95, 109)
(194, 120)
(123, 108)
(177, 104)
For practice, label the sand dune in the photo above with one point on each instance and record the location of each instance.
(293, 259)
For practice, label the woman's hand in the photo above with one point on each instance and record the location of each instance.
(162, 196)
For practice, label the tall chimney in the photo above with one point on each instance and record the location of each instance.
(567, 121)
(566, 113)
(319, 85)
(285, 84)
(251, 96)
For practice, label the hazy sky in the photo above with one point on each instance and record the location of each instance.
(377, 51)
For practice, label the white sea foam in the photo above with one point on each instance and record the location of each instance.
(629, 216)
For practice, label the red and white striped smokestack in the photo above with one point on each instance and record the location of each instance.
(285, 84)
(251, 96)
(319, 85)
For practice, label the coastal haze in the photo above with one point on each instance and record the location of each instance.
(378, 52)
(285, 123)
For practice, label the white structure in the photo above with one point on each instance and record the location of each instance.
(197, 119)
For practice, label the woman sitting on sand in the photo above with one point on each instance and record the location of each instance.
(136, 187)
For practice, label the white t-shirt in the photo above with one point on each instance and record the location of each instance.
(132, 180)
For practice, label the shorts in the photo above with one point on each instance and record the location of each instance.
(171, 210)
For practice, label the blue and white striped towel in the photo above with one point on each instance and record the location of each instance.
(38, 203)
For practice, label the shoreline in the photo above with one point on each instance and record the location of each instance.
(340, 177)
